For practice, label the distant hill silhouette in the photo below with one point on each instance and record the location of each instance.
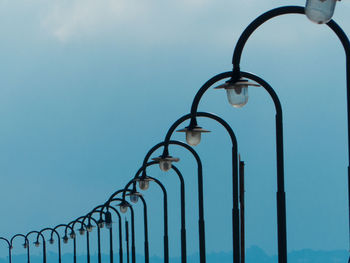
(254, 255)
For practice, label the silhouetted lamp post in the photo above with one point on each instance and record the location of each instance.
(25, 244)
(320, 11)
(52, 241)
(9, 248)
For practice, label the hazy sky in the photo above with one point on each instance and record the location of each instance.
(88, 87)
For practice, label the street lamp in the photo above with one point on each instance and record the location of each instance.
(37, 243)
(108, 219)
(124, 204)
(144, 177)
(25, 244)
(145, 219)
(89, 218)
(182, 185)
(9, 247)
(235, 209)
(281, 207)
(51, 240)
(65, 238)
(81, 230)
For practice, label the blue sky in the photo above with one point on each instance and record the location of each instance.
(88, 87)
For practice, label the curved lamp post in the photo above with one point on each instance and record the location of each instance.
(144, 181)
(37, 243)
(193, 130)
(25, 244)
(65, 238)
(51, 240)
(108, 221)
(234, 77)
(99, 225)
(182, 184)
(282, 247)
(126, 204)
(82, 231)
(134, 196)
(9, 246)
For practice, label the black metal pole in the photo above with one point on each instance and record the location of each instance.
(242, 209)
(110, 245)
(145, 227)
(120, 242)
(127, 240)
(10, 256)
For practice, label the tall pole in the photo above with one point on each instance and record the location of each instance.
(127, 240)
(241, 201)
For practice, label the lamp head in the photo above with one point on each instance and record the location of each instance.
(134, 196)
(320, 11)
(51, 241)
(25, 244)
(123, 206)
(108, 220)
(165, 163)
(100, 223)
(144, 182)
(193, 134)
(65, 239)
(81, 231)
(72, 234)
(37, 243)
(89, 227)
(237, 91)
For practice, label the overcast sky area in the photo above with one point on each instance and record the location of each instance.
(88, 87)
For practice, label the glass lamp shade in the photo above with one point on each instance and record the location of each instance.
(101, 224)
(25, 245)
(37, 243)
(89, 227)
(65, 239)
(109, 225)
(193, 135)
(72, 235)
(51, 241)
(81, 231)
(123, 208)
(238, 96)
(237, 92)
(165, 163)
(134, 198)
(144, 184)
(320, 11)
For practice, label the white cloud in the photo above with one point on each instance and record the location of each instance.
(150, 19)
